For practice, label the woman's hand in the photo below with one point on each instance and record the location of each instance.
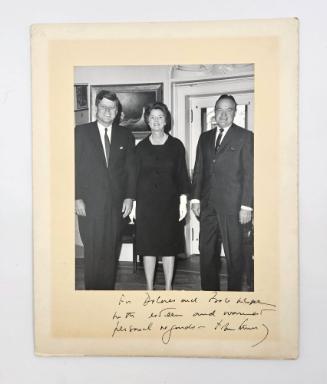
(132, 215)
(182, 207)
(127, 207)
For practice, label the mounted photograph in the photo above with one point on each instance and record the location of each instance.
(165, 189)
(164, 178)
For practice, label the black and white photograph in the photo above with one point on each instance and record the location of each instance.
(59, 326)
(155, 186)
(164, 177)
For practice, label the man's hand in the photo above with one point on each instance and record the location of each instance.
(245, 216)
(80, 207)
(196, 209)
(127, 207)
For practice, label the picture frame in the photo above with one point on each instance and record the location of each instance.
(80, 97)
(262, 324)
(133, 98)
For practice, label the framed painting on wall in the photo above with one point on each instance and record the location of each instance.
(80, 97)
(134, 98)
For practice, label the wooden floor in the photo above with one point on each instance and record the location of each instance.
(186, 277)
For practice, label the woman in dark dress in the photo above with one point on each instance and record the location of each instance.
(161, 201)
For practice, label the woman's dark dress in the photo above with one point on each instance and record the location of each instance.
(162, 178)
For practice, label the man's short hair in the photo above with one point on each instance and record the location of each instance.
(112, 97)
(106, 95)
(226, 97)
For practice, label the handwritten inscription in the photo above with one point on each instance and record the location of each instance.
(131, 329)
(168, 330)
(157, 300)
(172, 316)
(166, 312)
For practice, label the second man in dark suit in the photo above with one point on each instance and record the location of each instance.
(222, 195)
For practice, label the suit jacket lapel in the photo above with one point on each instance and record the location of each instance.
(96, 141)
(113, 142)
(212, 139)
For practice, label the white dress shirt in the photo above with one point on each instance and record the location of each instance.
(102, 131)
(224, 134)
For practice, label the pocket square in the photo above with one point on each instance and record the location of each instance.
(121, 147)
(235, 148)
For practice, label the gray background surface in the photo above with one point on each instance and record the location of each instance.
(17, 362)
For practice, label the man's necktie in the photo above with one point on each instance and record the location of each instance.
(107, 145)
(221, 131)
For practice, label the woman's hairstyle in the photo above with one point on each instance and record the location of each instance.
(112, 97)
(164, 109)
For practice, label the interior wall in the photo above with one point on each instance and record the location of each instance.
(169, 75)
(125, 75)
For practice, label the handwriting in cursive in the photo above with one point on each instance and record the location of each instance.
(156, 300)
(264, 337)
(123, 300)
(167, 334)
(172, 315)
(166, 312)
(130, 329)
(217, 300)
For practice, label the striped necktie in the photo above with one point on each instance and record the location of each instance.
(221, 131)
(107, 145)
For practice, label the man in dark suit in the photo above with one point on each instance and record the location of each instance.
(222, 195)
(104, 189)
